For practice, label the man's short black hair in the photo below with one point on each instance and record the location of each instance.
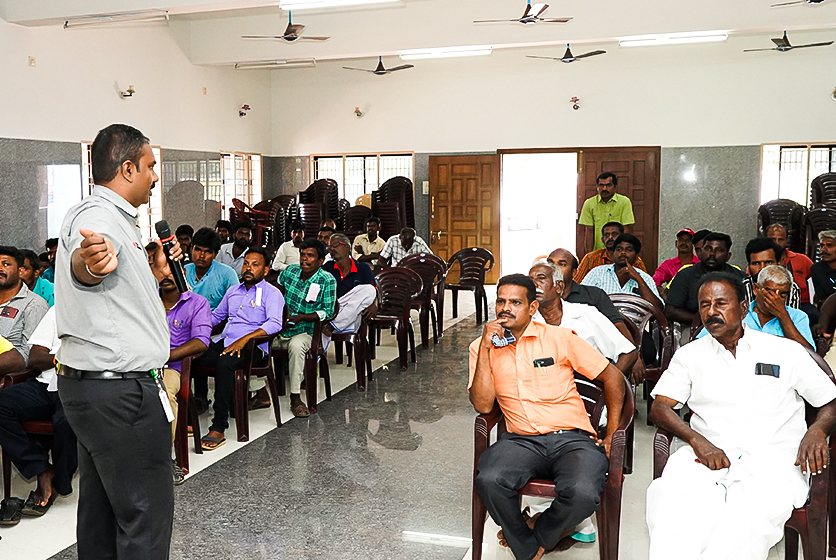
(51, 242)
(223, 224)
(151, 247)
(44, 257)
(32, 257)
(618, 225)
(717, 236)
(207, 238)
(761, 244)
(311, 243)
(725, 278)
(112, 147)
(12, 252)
(699, 236)
(327, 228)
(297, 225)
(631, 239)
(607, 175)
(185, 229)
(519, 280)
(241, 224)
(265, 254)
(374, 219)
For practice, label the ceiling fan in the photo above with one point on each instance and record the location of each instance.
(783, 45)
(797, 2)
(568, 56)
(380, 70)
(532, 15)
(292, 33)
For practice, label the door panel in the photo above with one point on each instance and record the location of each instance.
(464, 206)
(638, 178)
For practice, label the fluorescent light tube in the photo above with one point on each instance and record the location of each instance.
(673, 38)
(297, 63)
(314, 4)
(446, 52)
(117, 17)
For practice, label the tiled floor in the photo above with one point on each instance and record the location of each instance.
(381, 474)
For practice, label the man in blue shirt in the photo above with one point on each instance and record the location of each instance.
(252, 309)
(30, 273)
(205, 275)
(769, 312)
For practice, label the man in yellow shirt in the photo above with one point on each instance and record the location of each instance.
(606, 206)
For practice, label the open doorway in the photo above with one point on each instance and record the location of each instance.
(539, 193)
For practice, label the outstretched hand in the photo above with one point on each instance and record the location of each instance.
(98, 253)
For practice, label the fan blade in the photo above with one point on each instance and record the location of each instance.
(403, 67)
(294, 29)
(789, 3)
(592, 53)
(782, 41)
(527, 10)
(812, 45)
(262, 36)
(313, 38)
(497, 21)
(757, 50)
(555, 20)
(538, 9)
(543, 57)
(358, 69)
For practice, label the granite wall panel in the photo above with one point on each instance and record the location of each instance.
(191, 183)
(285, 175)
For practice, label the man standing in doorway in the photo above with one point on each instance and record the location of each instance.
(606, 206)
(114, 342)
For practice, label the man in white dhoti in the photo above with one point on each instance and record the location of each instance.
(729, 491)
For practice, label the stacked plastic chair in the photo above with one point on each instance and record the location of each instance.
(822, 213)
(789, 214)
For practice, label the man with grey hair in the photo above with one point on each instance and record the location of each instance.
(769, 312)
(823, 272)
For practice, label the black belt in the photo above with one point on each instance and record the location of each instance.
(73, 373)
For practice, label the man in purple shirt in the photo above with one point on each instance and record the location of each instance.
(253, 308)
(190, 324)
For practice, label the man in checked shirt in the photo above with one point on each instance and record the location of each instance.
(310, 293)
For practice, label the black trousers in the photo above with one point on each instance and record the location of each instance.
(576, 464)
(225, 367)
(126, 495)
(26, 402)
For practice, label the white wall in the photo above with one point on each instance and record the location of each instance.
(72, 92)
(688, 95)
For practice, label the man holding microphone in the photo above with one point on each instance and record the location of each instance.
(114, 342)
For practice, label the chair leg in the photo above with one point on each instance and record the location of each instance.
(7, 475)
(790, 544)
(279, 369)
(435, 329)
(239, 398)
(478, 299)
(439, 306)
(371, 347)
(195, 422)
(311, 381)
(181, 434)
(411, 331)
(360, 361)
(484, 300)
(402, 342)
(272, 387)
(831, 499)
(424, 323)
(325, 374)
(349, 353)
(455, 294)
(477, 529)
(338, 351)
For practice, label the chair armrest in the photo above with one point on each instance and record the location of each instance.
(661, 451)
(618, 442)
(185, 377)
(19, 377)
(482, 427)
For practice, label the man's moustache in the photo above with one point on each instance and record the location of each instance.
(715, 321)
(501, 315)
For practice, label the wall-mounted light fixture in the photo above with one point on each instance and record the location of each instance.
(296, 63)
(358, 113)
(242, 112)
(576, 103)
(143, 16)
(128, 92)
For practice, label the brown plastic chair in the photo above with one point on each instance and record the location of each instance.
(312, 363)
(353, 340)
(474, 263)
(396, 287)
(432, 271)
(609, 514)
(186, 415)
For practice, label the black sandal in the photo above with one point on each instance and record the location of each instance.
(32, 508)
(10, 511)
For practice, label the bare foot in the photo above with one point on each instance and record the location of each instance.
(528, 521)
(44, 489)
(540, 552)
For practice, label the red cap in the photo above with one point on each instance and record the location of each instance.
(689, 231)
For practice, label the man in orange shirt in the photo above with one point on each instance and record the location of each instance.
(531, 374)
(606, 255)
(797, 263)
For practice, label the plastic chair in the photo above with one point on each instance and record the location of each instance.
(396, 287)
(432, 271)
(353, 340)
(823, 190)
(609, 514)
(815, 221)
(789, 214)
(474, 263)
(312, 359)
(186, 415)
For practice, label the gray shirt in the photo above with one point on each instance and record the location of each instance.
(19, 317)
(118, 325)
(226, 257)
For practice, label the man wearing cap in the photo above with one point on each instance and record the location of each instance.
(609, 232)
(684, 256)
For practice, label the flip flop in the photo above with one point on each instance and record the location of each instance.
(10, 511)
(299, 410)
(32, 508)
(207, 439)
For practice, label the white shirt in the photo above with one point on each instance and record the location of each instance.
(369, 247)
(592, 326)
(735, 409)
(46, 335)
(225, 256)
(287, 254)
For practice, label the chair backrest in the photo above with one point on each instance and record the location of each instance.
(325, 192)
(789, 214)
(474, 263)
(429, 267)
(396, 287)
(399, 189)
(355, 218)
(823, 190)
(311, 214)
(816, 221)
(642, 313)
(342, 209)
(391, 221)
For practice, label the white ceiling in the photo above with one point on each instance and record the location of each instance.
(210, 31)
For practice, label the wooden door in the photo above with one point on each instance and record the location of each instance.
(464, 206)
(637, 169)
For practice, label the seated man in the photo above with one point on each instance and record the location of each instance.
(622, 277)
(30, 274)
(325, 233)
(769, 311)
(738, 477)
(288, 252)
(549, 433)
(190, 325)
(356, 288)
(681, 303)
(797, 263)
(310, 293)
(224, 230)
(684, 256)
(251, 309)
(405, 244)
(367, 246)
(184, 234)
(760, 253)
(233, 254)
(20, 309)
(605, 255)
(38, 399)
(10, 359)
(206, 275)
(823, 272)
(51, 246)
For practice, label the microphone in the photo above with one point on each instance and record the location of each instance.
(167, 240)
